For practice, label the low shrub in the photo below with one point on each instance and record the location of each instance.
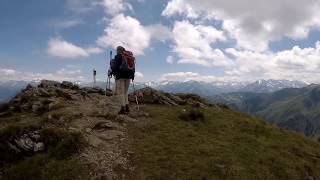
(193, 97)
(60, 144)
(3, 107)
(192, 115)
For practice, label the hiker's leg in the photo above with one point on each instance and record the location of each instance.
(120, 91)
(123, 97)
(120, 95)
(117, 89)
(127, 83)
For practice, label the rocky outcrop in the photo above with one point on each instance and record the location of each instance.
(27, 143)
(65, 107)
(45, 96)
(151, 96)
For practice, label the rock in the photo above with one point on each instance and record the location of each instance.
(124, 118)
(25, 143)
(97, 90)
(94, 141)
(104, 125)
(151, 96)
(49, 84)
(75, 130)
(63, 93)
(36, 106)
(84, 93)
(67, 84)
(88, 130)
(43, 92)
(14, 147)
(38, 147)
(26, 106)
(29, 86)
(54, 105)
(35, 135)
(28, 142)
(111, 134)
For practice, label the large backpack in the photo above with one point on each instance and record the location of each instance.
(128, 64)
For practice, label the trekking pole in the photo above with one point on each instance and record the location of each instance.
(135, 94)
(108, 78)
(109, 85)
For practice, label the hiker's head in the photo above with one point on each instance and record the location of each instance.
(120, 49)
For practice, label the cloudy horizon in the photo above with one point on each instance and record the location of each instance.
(173, 40)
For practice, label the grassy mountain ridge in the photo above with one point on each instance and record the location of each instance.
(292, 108)
(225, 145)
(62, 131)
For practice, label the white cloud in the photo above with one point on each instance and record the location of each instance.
(254, 23)
(138, 76)
(159, 32)
(170, 60)
(194, 44)
(69, 73)
(7, 72)
(114, 7)
(65, 24)
(125, 31)
(60, 48)
(293, 64)
(179, 7)
(193, 76)
(80, 6)
(110, 7)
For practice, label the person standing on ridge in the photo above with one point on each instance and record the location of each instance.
(122, 67)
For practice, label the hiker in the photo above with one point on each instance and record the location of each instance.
(122, 67)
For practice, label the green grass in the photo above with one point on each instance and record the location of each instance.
(226, 145)
(55, 163)
(43, 167)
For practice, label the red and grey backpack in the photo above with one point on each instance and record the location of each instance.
(128, 64)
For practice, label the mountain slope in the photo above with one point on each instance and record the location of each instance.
(61, 131)
(293, 108)
(224, 145)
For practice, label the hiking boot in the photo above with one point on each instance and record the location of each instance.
(127, 108)
(122, 110)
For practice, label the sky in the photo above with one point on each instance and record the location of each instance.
(174, 40)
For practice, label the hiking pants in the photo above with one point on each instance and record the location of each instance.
(122, 86)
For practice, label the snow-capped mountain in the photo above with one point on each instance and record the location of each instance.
(267, 86)
(8, 89)
(200, 88)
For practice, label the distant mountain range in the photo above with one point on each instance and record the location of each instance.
(10, 88)
(267, 86)
(213, 88)
(297, 109)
